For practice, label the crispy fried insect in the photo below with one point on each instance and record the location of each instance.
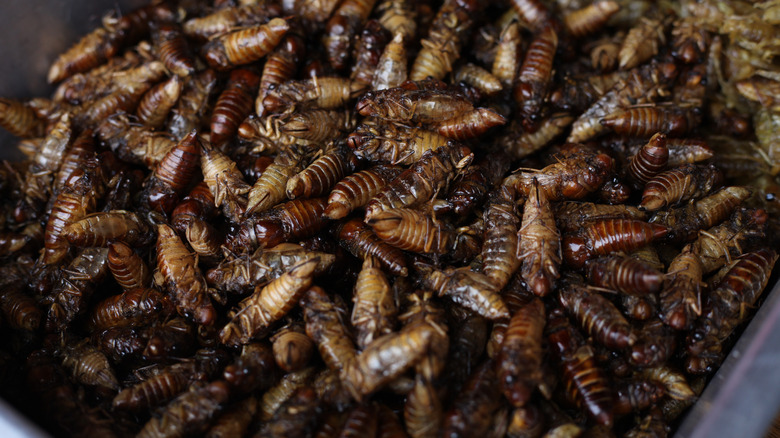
(75, 286)
(478, 77)
(341, 29)
(419, 183)
(89, 366)
(323, 173)
(205, 240)
(318, 126)
(539, 243)
(598, 316)
(373, 314)
(82, 149)
(649, 161)
(92, 50)
(173, 174)
(391, 68)
(193, 105)
(226, 19)
(157, 389)
(507, 59)
(235, 420)
(606, 236)
(413, 105)
(225, 181)
(131, 308)
(655, 344)
(586, 384)
(292, 348)
(471, 124)
(47, 160)
(129, 89)
(254, 369)
(100, 229)
(156, 103)
(445, 39)
(172, 49)
(423, 309)
(392, 143)
(386, 358)
(233, 105)
(762, 90)
(133, 143)
(244, 46)
(361, 242)
(280, 66)
(533, 79)
(120, 344)
(398, 17)
(572, 177)
(646, 120)
(19, 119)
(624, 274)
(469, 289)
(296, 417)
(674, 382)
(293, 220)
(268, 304)
(182, 277)
(636, 395)
(128, 268)
(423, 413)
(519, 361)
(591, 18)
(356, 190)
(679, 185)
(726, 307)
(325, 327)
(571, 215)
(171, 339)
(472, 410)
(499, 251)
(533, 12)
(189, 413)
(269, 189)
(368, 50)
(641, 42)
(472, 187)
(20, 311)
(520, 143)
(744, 229)
(413, 231)
(320, 92)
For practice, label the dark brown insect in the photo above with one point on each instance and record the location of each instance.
(89, 366)
(369, 47)
(172, 176)
(341, 29)
(356, 190)
(413, 106)
(280, 66)
(130, 87)
(469, 289)
(654, 346)
(225, 182)
(598, 316)
(173, 51)
(292, 348)
(131, 308)
(591, 18)
(156, 103)
(20, 311)
(253, 369)
(649, 161)
(718, 245)
(606, 236)
(624, 274)
(296, 417)
(636, 395)
(674, 382)
(244, 46)
(189, 413)
(193, 104)
(644, 121)
(318, 126)
(535, 74)
(392, 143)
(320, 92)
(92, 50)
(472, 409)
(359, 240)
(471, 124)
(99, 229)
(226, 19)
(571, 216)
(235, 420)
(519, 360)
(323, 173)
(678, 185)
(233, 105)
(72, 291)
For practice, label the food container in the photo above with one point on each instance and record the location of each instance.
(741, 400)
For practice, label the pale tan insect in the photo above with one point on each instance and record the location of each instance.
(373, 314)
(539, 244)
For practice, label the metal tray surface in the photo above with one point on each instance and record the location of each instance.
(741, 400)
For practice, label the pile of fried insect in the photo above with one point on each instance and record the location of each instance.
(390, 218)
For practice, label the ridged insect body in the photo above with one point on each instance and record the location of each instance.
(472, 409)
(183, 278)
(341, 29)
(716, 247)
(413, 231)
(173, 51)
(519, 360)
(71, 293)
(471, 124)
(403, 105)
(293, 220)
(90, 51)
(624, 274)
(649, 161)
(20, 311)
(356, 190)
(130, 308)
(520, 143)
(644, 121)
(655, 345)
(367, 52)
(100, 229)
(391, 68)
(539, 243)
(323, 173)
(296, 416)
(188, 414)
(193, 105)
(318, 126)
(226, 19)
(19, 119)
(606, 236)
(535, 74)
(82, 149)
(507, 59)
(674, 381)
(225, 182)
(442, 46)
(233, 105)
(641, 43)
(422, 410)
(268, 304)
(469, 289)
(89, 366)
(478, 77)
(127, 93)
(394, 144)
(244, 46)
(636, 395)
(571, 215)
(499, 251)
(329, 92)
(324, 327)
(173, 174)
(598, 316)
(280, 66)
(533, 12)
(591, 18)
(360, 241)
(270, 188)
(156, 103)
(127, 267)
(292, 349)
(679, 185)
(373, 314)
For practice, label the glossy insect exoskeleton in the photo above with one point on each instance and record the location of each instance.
(325, 327)
(172, 49)
(649, 161)
(358, 239)
(280, 66)
(323, 173)
(292, 348)
(470, 124)
(479, 78)
(598, 316)
(293, 220)
(190, 110)
(679, 185)
(624, 274)
(190, 413)
(173, 174)
(586, 384)
(445, 39)
(131, 308)
(224, 181)
(268, 304)
(235, 420)
(254, 369)
(636, 395)
(391, 68)
(535, 75)
(398, 16)
(469, 289)
(605, 236)
(519, 360)
(404, 105)
(539, 243)
(471, 188)
(417, 184)
(571, 215)
(296, 416)
(356, 190)
(392, 143)
(423, 410)
(98, 229)
(507, 59)
(233, 105)
(525, 422)
(133, 143)
(368, 50)
(226, 19)
(644, 121)
(170, 339)
(82, 149)
(374, 311)
(156, 103)
(739, 289)
(411, 230)
(641, 42)
(318, 126)
(718, 245)
(499, 251)
(674, 381)
(319, 92)
(591, 18)
(270, 188)
(89, 366)
(129, 89)
(244, 46)
(654, 346)
(19, 119)
(472, 409)
(20, 311)
(423, 309)
(128, 268)
(520, 143)
(182, 277)
(120, 344)
(533, 12)
(341, 29)
(92, 50)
